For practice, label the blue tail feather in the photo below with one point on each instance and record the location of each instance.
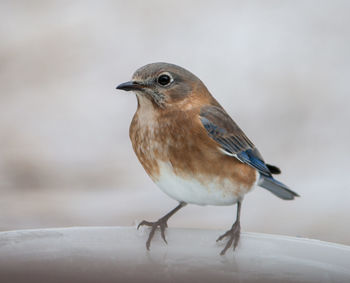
(277, 188)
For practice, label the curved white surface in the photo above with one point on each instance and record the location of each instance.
(118, 254)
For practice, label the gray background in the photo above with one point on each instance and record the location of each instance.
(280, 68)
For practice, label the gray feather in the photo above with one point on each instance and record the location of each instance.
(277, 188)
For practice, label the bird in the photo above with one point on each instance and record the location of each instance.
(191, 148)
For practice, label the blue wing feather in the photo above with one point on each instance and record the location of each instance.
(253, 160)
(233, 141)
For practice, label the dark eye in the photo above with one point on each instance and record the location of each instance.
(164, 79)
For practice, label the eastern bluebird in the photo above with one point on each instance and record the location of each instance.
(191, 148)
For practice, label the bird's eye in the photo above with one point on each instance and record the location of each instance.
(164, 79)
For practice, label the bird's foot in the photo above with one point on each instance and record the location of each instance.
(161, 223)
(233, 234)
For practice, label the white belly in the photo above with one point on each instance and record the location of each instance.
(194, 189)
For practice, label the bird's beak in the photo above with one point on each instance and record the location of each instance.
(132, 85)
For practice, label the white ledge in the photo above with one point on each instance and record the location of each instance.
(118, 254)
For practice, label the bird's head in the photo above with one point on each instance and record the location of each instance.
(164, 85)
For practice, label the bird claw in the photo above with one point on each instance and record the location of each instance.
(234, 235)
(161, 223)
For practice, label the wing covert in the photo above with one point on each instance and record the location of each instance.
(231, 139)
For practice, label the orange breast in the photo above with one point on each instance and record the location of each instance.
(178, 137)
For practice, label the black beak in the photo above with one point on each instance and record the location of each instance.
(132, 85)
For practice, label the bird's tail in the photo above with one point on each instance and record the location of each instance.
(277, 188)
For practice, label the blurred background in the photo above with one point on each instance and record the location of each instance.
(280, 68)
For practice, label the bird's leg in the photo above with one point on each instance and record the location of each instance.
(233, 233)
(161, 223)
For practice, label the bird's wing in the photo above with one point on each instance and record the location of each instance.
(231, 139)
